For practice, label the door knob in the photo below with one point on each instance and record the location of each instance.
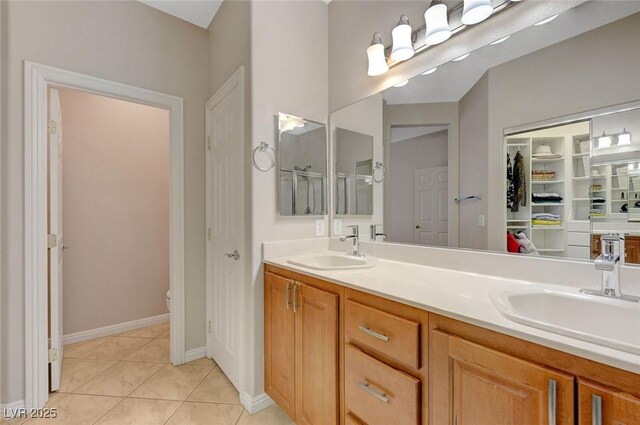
(418, 226)
(235, 255)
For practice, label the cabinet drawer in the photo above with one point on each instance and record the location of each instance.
(377, 393)
(582, 252)
(579, 239)
(392, 335)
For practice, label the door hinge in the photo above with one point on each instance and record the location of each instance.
(209, 142)
(53, 355)
(52, 127)
(209, 326)
(209, 233)
(52, 241)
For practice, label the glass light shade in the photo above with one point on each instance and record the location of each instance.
(624, 138)
(461, 58)
(476, 11)
(377, 62)
(437, 24)
(401, 83)
(402, 45)
(604, 141)
(430, 71)
(546, 21)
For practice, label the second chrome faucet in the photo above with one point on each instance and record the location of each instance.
(355, 236)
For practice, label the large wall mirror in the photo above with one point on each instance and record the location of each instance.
(302, 162)
(528, 145)
(353, 165)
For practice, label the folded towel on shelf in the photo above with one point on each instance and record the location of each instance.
(598, 200)
(596, 213)
(543, 216)
(546, 222)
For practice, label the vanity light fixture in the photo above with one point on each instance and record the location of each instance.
(476, 11)
(461, 58)
(500, 40)
(402, 44)
(624, 138)
(546, 21)
(437, 21)
(430, 71)
(377, 61)
(604, 141)
(401, 83)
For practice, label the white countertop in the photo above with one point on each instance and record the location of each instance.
(459, 295)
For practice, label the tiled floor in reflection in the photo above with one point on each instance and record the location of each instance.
(127, 380)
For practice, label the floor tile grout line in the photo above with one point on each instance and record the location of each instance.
(174, 413)
(145, 381)
(107, 412)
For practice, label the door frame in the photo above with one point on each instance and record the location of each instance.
(237, 79)
(37, 79)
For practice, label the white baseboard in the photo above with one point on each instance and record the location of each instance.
(10, 410)
(255, 404)
(114, 329)
(195, 354)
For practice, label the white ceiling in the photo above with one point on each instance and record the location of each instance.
(198, 12)
(454, 79)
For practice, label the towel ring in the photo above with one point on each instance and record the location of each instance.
(379, 167)
(264, 147)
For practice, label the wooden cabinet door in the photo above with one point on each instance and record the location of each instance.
(316, 356)
(473, 385)
(632, 245)
(599, 405)
(279, 334)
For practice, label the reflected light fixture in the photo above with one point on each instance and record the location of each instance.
(402, 45)
(377, 61)
(430, 71)
(476, 11)
(401, 83)
(624, 138)
(437, 24)
(460, 58)
(500, 40)
(604, 141)
(546, 21)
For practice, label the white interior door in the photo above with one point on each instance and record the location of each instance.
(431, 206)
(55, 238)
(225, 226)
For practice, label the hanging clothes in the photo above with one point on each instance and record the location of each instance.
(510, 189)
(519, 183)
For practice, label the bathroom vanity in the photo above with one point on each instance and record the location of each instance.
(343, 350)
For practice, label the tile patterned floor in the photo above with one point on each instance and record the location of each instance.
(127, 379)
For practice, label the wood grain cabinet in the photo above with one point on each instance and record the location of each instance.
(599, 405)
(335, 355)
(632, 248)
(301, 350)
(473, 385)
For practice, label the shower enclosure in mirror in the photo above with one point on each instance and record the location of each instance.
(302, 162)
(510, 148)
(353, 162)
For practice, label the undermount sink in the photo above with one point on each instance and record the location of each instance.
(334, 262)
(605, 321)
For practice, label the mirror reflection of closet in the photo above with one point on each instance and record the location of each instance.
(302, 162)
(353, 158)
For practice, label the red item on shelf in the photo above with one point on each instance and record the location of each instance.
(512, 243)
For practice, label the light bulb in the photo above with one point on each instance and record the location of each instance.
(437, 24)
(377, 62)
(476, 11)
(402, 44)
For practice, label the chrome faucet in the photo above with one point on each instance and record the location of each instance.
(609, 263)
(373, 232)
(356, 240)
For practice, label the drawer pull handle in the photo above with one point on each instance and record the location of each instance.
(287, 294)
(373, 333)
(365, 386)
(552, 402)
(596, 409)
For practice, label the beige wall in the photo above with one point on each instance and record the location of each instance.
(289, 51)
(407, 156)
(126, 42)
(115, 207)
(473, 110)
